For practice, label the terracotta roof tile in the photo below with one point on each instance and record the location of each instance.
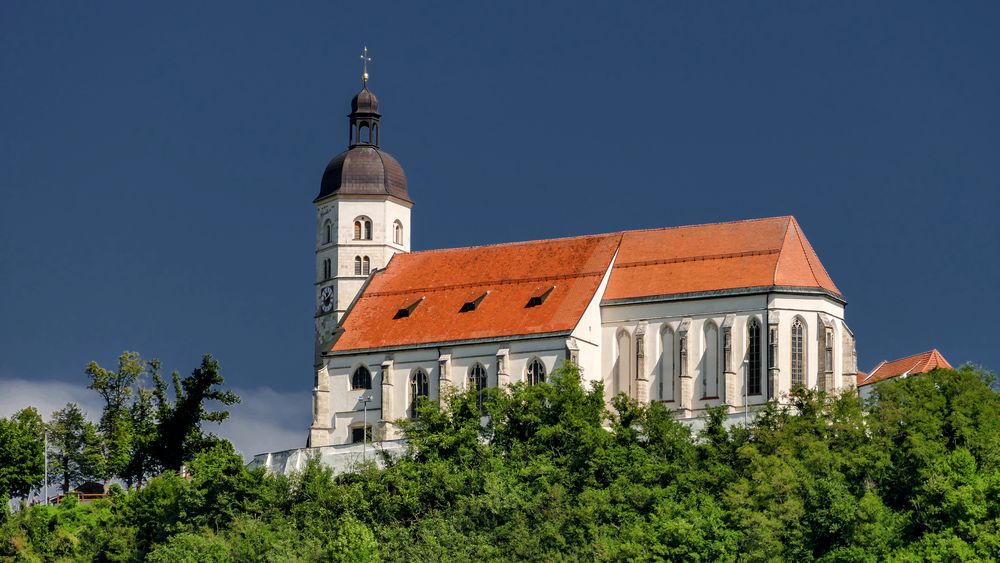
(448, 279)
(659, 262)
(917, 363)
(742, 254)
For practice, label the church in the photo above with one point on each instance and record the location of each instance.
(727, 314)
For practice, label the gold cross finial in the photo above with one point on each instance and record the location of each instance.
(365, 59)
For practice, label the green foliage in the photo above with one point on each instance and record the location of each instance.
(75, 448)
(22, 450)
(179, 435)
(553, 474)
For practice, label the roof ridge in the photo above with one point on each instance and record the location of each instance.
(514, 243)
(784, 239)
(802, 246)
(607, 234)
(733, 222)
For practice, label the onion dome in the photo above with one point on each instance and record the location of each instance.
(364, 102)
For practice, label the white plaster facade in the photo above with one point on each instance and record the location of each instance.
(388, 216)
(682, 360)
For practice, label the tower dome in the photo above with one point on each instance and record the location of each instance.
(364, 168)
(364, 102)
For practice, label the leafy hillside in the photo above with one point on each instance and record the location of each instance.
(914, 475)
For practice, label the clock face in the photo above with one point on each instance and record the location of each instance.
(326, 299)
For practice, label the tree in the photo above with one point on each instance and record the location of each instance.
(22, 451)
(116, 388)
(179, 434)
(76, 447)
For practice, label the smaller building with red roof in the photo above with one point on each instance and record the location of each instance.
(903, 367)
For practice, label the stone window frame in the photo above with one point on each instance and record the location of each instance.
(479, 379)
(397, 232)
(363, 228)
(415, 390)
(758, 389)
(533, 378)
(361, 379)
(798, 344)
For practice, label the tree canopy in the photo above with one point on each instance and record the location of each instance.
(554, 474)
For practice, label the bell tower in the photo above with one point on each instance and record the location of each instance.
(362, 215)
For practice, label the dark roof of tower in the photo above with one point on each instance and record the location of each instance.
(364, 102)
(363, 170)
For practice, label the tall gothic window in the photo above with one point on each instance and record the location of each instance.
(418, 388)
(327, 269)
(753, 357)
(357, 229)
(361, 379)
(357, 266)
(710, 375)
(536, 372)
(668, 364)
(368, 229)
(366, 266)
(798, 353)
(477, 381)
(327, 232)
(397, 232)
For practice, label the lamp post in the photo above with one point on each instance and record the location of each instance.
(365, 399)
(46, 466)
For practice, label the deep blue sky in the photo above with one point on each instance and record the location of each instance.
(157, 164)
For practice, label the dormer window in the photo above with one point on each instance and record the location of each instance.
(539, 296)
(473, 304)
(406, 311)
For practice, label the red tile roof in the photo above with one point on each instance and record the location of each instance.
(702, 258)
(661, 262)
(917, 363)
(447, 279)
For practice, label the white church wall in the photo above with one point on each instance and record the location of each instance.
(689, 397)
(588, 332)
(346, 410)
(667, 385)
(808, 308)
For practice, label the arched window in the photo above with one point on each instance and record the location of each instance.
(477, 381)
(327, 232)
(667, 364)
(623, 364)
(710, 375)
(366, 266)
(753, 357)
(357, 266)
(418, 388)
(397, 232)
(798, 353)
(362, 228)
(536, 372)
(327, 269)
(361, 379)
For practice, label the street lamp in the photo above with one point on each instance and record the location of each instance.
(46, 466)
(365, 398)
